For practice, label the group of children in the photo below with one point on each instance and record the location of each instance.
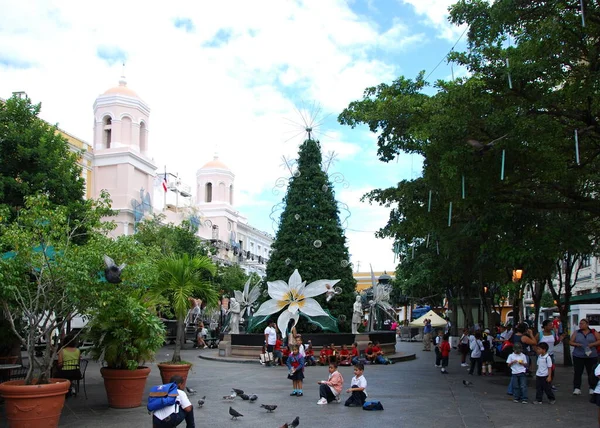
(330, 389)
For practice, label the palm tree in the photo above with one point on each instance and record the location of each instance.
(181, 277)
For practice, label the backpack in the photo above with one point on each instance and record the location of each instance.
(161, 396)
(373, 405)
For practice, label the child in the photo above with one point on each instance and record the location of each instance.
(334, 353)
(438, 342)
(285, 354)
(310, 355)
(487, 357)
(277, 354)
(358, 388)
(444, 352)
(517, 361)
(463, 347)
(543, 375)
(324, 355)
(476, 347)
(301, 347)
(369, 353)
(174, 414)
(295, 363)
(330, 389)
(378, 352)
(344, 356)
(201, 334)
(354, 354)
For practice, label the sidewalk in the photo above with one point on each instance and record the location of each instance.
(413, 393)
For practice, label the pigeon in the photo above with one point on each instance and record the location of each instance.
(253, 398)
(229, 397)
(190, 391)
(201, 401)
(245, 397)
(482, 148)
(237, 391)
(294, 423)
(112, 273)
(234, 413)
(269, 407)
(467, 383)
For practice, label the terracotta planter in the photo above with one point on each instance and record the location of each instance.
(28, 406)
(125, 388)
(167, 370)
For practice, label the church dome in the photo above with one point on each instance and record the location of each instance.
(122, 89)
(215, 164)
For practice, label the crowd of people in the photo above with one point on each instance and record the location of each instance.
(519, 347)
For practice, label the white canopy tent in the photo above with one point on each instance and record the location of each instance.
(436, 320)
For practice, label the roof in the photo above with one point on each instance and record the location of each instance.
(436, 320)
(215, 164)
(122, 89)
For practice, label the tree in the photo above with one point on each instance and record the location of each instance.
(232, 277)
(170, 238)
(181, 277)
(310, 237)
(35, 158)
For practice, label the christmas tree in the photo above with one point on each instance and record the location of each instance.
(310, 236)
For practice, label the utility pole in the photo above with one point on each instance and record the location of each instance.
(358, 266)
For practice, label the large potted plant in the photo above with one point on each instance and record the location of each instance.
(125, 334)
(48, 271)
(179, 278)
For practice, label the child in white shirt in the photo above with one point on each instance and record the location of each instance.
(358, 388)
(543, 375)
(517, 361)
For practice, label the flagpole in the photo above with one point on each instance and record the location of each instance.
(165, 196)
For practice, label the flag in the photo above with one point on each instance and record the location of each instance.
(165, 182)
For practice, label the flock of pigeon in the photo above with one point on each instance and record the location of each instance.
(252, 398)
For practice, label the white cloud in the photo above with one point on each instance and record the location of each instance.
(218, 76)
(436, 14)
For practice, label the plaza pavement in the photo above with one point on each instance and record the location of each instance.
(413, 393)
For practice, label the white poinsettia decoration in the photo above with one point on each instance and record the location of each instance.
(295, 297)
(381, 295)
(248, 297)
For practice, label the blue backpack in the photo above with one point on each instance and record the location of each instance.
(373, 405)
(162, 396)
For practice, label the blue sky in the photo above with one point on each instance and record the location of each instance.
(231, 77)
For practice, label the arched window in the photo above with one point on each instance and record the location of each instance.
(221, 195)
(231, 194)
(143, 140)
(107, 131)
(208, 193)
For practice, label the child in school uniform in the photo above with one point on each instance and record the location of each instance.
(324, 355)
(344, 356)
(295, 363)
(354, 354)
(543, 375)
(517, 361)
(444, 352)
(358, 388)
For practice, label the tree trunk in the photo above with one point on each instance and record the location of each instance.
(564, 319)
(178, 339)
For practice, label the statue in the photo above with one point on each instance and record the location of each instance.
(357, 315)
(234, 321)
(112, 272)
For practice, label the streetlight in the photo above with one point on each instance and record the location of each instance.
(517, 275)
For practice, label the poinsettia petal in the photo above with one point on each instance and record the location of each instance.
(239, 296)
(312, 308)
(283, 320)
(295, 282)
(278, 290)
(246, 287)
(269, 307)
(294, 307)
(319, 287)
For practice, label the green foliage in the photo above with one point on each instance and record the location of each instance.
(171, 239)
(546, 206)
(46, 272)
(34, 158)
(182, 277)
(124, 333)
(311, 215)
(232, 277)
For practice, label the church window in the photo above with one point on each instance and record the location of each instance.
(208, 195)
(143, 142)
(107, 131)
(231, 194)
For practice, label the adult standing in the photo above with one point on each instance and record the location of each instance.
(550, 336)
(427, 335)
(585, 356)
(270, 340)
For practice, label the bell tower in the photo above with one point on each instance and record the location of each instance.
(122, 165)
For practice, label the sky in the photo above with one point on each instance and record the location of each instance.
(237, 78)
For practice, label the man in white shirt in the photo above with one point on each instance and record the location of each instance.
(171, 416)
(270, 339)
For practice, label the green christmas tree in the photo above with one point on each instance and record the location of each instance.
(310, 236)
